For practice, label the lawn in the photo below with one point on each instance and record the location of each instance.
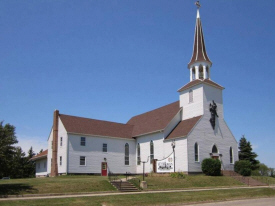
(61, 184)
(267, 180)
(151, 199)
(190, 181)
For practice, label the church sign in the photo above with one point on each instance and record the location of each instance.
(165, 165)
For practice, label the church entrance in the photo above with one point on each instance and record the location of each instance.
(215, 153)
(103, 168)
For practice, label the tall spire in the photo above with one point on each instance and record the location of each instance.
(199, 51)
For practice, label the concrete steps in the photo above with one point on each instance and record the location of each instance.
(124, 186)
(246, 180)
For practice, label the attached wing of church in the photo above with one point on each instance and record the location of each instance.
(175, 137)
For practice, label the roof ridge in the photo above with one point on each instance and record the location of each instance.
(93, 119)
(153, 110)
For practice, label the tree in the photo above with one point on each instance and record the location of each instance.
(7, 150)
(263, 169)
(245, 153)
(243, 167)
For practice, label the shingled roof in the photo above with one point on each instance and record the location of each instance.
(200, 81)
(40, 155)
(154, 120)
(87, 126)
(183, 128)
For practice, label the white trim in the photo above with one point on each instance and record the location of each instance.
(91, 135)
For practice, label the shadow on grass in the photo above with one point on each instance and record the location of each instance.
(16, 189)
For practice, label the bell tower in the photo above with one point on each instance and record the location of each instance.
(198, 95)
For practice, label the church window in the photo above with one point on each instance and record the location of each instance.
(60, 160)
(104, 148)
(207, 72)
(151, 151)
(83, 141)
(126, 154)
(61, 141)
(231, 155)
(193, 73)
(190, 95)
(82, 160)
(196, 152)
(200, 72)
(138, 154)
(214, 149)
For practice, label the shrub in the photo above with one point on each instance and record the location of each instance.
(211, 167)
(179, 175)
(243, 167)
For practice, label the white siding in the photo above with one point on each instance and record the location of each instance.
(195, 108)
(62, 150)
(162, 149)
(206, 137)
(49, 156)
(95, 156)
(41, 167)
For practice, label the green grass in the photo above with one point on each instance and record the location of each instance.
(190, 181)
(264, 179)
(61, 184)
(151, 199)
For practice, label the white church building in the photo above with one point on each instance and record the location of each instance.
(193, 127)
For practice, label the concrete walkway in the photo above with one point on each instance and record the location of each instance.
(130, 193)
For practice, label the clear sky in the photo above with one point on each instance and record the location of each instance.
(111, 60)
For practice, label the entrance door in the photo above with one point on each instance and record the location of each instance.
(104, 169)
(215, 157)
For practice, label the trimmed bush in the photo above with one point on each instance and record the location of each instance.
(243, 167)
(211, 167)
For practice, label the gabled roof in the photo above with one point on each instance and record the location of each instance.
(199, 50)
(200, 81)
(40, 155)
(154, 120)
(87, 126)
(183, 128)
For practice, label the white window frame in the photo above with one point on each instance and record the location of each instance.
(83, 141)
(152, 156)
(196, 155)
(127, 154)
(138, 154)
(60, 160)
(61, 141)
(231, 156)
(104, 149)
(191, 96)
(82, 160)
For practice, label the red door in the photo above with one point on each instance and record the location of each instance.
(104, 169)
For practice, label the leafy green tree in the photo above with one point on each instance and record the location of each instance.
(272, 172)
(246, 153)
(243, 167)
(7, 148)
(263, 169)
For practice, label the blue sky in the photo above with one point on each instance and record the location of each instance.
(111, 60)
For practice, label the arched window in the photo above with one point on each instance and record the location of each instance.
(151, 151)
(193, 73)
(214, 149)
(138, 154)
(200, 72)
(196, 152)
(207, 72)
(190, 95)
(126, 154)
(231, 155)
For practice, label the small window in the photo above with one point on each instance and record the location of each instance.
(126, 154)
(196, 152)
(190, 95)
(45, 164)
(207, 72)
(231, 155)
(61, 141)
(60, 160)
(138, 154)
(104, 149)
(151, 151)
(83, 141)
(82, 160)
(193, 73)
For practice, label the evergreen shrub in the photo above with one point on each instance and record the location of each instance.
(243, 167)
(179, 175)
(211, 167)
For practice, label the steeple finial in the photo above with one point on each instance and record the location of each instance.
(198, 4)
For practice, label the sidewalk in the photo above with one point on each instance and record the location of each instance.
(52, 196)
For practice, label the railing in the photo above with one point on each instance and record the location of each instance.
(114, 178)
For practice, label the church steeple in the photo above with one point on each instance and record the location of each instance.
(200, 63)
